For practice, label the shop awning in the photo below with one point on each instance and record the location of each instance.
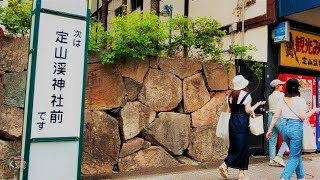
(304, 11)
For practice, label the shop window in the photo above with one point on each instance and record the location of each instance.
(135, 4)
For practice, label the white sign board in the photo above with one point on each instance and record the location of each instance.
(53, 161)
(58, 78)
(55, 92)
(77, 7)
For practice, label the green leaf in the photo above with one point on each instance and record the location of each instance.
(16, 18)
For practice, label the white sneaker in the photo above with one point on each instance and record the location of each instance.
(223, 170)
(279, 160)
(273, 163)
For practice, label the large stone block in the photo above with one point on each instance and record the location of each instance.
(131, 146)
(133, 88)
(13, 54)
(134, 117)
(171, 130)
(8, 150)
(154, 61)
(105, 88)
(135, 70)
(161, 91)
(231, 75)
(179, 66)
(11, 121)
(209, 114)
(153, 157)
(15, 88)
(205, 146)
(1, 93)
(101, 143)
(216, 76)
(195, 93)
(205, 116)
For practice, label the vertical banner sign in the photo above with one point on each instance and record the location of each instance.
(302, 51)
(55, 93)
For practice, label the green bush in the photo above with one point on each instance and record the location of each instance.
(16, 18)
(140, 34)
(133, 37)
(200, 37)
(242, 52)
(97, 36)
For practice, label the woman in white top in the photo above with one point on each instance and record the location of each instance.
(239, 102)
(275, 97)
(294, 110)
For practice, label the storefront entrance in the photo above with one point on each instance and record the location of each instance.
(256, 89)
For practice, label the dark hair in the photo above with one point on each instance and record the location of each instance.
(235, 95)
(292, 88)
(272, 89)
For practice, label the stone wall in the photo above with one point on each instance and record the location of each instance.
(148, 114)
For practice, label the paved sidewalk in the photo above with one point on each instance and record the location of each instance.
(257, 171)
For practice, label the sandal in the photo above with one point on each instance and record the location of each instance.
(223, 170)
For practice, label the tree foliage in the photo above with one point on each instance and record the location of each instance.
(16, 18)
(133, 37)
(97, 36)
(140, 34)
(242, 52)
(200, 37)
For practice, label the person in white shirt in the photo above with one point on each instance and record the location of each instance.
(239, 102)
(293, 109)
(275, 97)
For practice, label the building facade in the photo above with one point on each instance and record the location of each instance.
(256, 24)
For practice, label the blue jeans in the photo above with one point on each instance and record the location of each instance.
(274, 137)
(292, 132)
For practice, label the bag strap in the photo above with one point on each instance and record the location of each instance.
(244, 97)
(228, 103)
(253, 114)
(292, 110)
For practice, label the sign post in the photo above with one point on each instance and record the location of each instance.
(55, 93)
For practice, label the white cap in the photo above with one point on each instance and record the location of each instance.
(276, 82)
(239, 82)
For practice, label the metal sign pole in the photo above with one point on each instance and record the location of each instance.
(55, 93)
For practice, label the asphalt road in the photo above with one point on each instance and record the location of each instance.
(258, 170)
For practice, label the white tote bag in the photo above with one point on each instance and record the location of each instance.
(222, 130)
(256, 124)
(309, 138)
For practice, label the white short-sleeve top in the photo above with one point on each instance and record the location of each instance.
(274, 99)
(241, 95)
(298, 104)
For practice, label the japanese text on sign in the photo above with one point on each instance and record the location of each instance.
(302, 51)
(58, 82)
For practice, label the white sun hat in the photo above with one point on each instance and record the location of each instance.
(276, 82)
(239, 82)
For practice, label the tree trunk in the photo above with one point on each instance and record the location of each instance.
(155, 6)
(104, 14)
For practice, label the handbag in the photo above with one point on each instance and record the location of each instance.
(256, 124)
(222, 130)
(309, 138)
(309, 143)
